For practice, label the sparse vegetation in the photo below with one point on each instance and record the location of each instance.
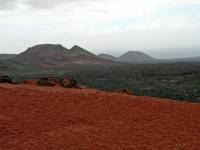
(179, 81)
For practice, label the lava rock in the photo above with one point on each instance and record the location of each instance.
(5, 79)
(17, 81)
(126, 91)
(68, 83)
(47, 81)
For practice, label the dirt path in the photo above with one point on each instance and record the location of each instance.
(54, 118)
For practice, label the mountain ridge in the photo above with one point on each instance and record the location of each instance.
(130, 57)
(57, 56)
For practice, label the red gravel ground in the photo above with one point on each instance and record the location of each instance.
(54, 118)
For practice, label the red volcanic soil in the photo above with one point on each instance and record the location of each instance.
(54, 118)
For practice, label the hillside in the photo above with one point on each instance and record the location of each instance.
(35, 117)
(108, 57)
(43, 52)
(77, 50)
(57, 56)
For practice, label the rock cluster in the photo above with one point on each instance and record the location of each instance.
(52, 81)
(67, 83)
(7, 79)
(45, 81)
(48, 81)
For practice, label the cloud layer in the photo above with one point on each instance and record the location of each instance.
(7, 4)
(37, 4)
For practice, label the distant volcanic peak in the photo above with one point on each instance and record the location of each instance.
(47, 47)
(57, 56)
(135, 54)
(42, 52)
(76, 47)
(136, 57)
(77, 50)
(103, 54)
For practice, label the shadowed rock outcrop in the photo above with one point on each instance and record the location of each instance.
(126, 91)
(5, 79)
(68, 83)
(52, 81)
(48, 81)
(18, 81)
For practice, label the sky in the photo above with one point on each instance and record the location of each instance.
(161, 28)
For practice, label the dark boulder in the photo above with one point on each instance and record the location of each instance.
(56, 80)
(73, 82)
(68, 83)
(5, 79)
(18, 81)
(47, 81)
(126, 91)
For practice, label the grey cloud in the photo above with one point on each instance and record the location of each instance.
(8, 4)
(43, 4)
(36, 4)
(40, 4)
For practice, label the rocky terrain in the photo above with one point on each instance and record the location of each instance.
(40, 117)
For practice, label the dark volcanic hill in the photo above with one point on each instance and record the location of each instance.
(78, 55)
(130, 57)
(136, 57)
(57, 56)
(77, 51)
(43, 52)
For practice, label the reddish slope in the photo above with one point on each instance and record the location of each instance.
(34, 117)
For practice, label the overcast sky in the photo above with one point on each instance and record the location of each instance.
(161, 28)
